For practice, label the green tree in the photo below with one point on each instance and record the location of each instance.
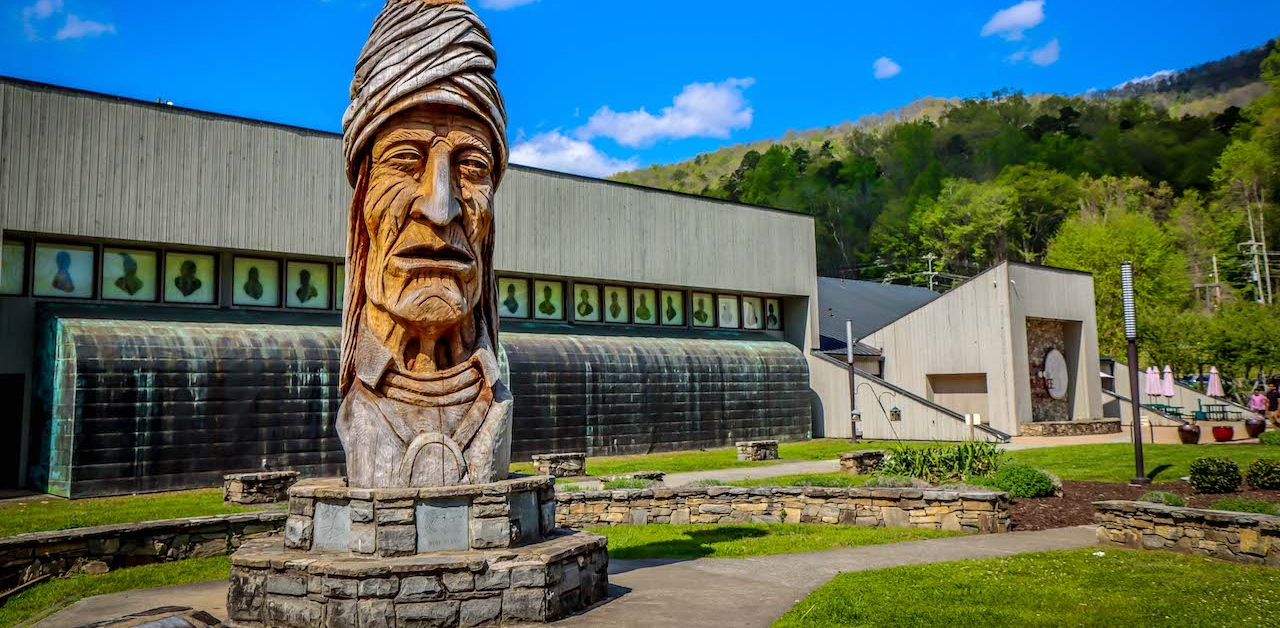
(1044, 197)
(968, 225)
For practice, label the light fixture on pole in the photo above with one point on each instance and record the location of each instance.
(1131, 336)
(854, 414)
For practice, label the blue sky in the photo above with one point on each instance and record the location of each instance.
(594, 86)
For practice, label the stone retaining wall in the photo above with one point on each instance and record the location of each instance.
(864, 462)
(266, 487)
(893, 508)
(1082, 427)
(27, 557)
(1235, 536)
(570, 465)
(757, 450)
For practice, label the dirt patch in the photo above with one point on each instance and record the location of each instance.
(1075, 507)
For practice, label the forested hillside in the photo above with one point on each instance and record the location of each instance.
(1172, 172)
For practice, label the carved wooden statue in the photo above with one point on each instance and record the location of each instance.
(425, 147)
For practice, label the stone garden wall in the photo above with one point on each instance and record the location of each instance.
(893, 508)
(1235, 536)
(27, 557)
(1080, 427)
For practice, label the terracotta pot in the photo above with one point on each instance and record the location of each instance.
(1223, 433)
(1189, 434)
(1255, 427)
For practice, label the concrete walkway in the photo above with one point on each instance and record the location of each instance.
(707, 592)
(766, 471)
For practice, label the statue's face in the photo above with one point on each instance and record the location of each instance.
(429, 211)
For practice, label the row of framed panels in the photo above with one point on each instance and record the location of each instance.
(86, 271)
(544, 299)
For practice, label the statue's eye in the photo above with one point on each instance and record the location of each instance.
(404, 157)
(473, 165)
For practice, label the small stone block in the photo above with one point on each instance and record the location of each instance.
(420, 589)
(524, 605)
(458, 581)
(427, 614)
(479, 612)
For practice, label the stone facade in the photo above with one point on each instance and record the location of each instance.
(1043, 335)
(267, 487)
(861, 462)
(893, 508)
(1235, 536)
(26, 557)
(325, 515)
(757, 450)
(570, 465)
(1082, 427)
(281, 588)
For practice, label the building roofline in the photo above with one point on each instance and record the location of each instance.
(322, 133)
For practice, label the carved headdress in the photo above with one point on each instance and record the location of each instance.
(419, 53)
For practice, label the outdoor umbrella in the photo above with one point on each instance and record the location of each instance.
(1166, 386)
(1153, 382)
(1215, 383)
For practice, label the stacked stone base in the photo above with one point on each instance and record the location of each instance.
(274, 587)
(1082, 427)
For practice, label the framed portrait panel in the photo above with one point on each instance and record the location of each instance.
(727, 311)
(672, 307)
(704, 310)
(549, 296)
(13, 267)
(644, 306)
(772, 314)
(63, 270)
(190, 278)
(616, 306)
(752, 313)
(586, 302)
(339, 285)
(256, 282)
(307, 285)
(513, 298)
(129, 274)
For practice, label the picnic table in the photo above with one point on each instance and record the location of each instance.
(1217, 412)
(1173, 411)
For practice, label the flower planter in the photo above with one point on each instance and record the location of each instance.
(1189, 434)
(1223, 433)
(1255, 427)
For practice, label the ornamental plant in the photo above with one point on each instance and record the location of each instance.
(1271, 437)
(1264, 474)
(1020, 480)
(1162, 497)
(1215, 475)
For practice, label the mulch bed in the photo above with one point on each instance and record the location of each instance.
(1075, 507)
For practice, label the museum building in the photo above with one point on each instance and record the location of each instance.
(171, 286)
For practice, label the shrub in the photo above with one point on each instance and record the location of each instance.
(944, 462)
(1270, 437)
(625, 483)
(888, 481)
(1161, 497)
(1020, 480)
(1215, 475)
(1264, 474)
(1256, 506)
(707, 482)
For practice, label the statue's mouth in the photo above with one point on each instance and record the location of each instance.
(428, 257)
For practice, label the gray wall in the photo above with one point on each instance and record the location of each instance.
(109, 168)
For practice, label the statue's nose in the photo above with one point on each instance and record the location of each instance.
(437, 202)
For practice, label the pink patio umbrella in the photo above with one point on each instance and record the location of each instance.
(1153, 382)
(1215, 383)
(1166, 386)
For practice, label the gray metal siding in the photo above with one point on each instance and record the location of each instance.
(101, 167)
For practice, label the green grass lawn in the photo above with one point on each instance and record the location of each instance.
(712, 459)
(749, 539)
(1114, 462)
(63, 591)
(1066, 588)
(64, 514)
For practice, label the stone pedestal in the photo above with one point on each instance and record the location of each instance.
(472, 555)
(266, 487)
(569, 465)
(863, 462)
(757, 450)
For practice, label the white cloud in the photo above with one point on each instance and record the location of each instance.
(555, 151)
(885, 68)
(700, 110)
(503, 5)
(1010, 23)
(41, 10)
(76, 28)
(1047, 54)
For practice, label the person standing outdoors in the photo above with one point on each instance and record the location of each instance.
(1273, 404)
(1258, 403)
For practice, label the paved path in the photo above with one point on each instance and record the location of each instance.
(765, 471)
(708, 592)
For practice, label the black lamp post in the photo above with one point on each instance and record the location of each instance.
(1131, 335)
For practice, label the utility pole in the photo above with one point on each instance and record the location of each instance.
(1217, 285)
(929, 258)
(1257, 268)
